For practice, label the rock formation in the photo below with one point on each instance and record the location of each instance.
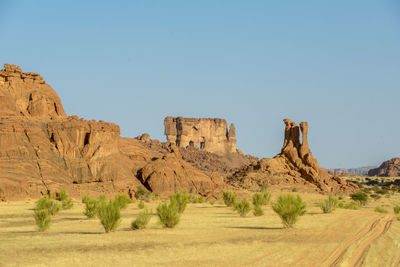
(211, 135)
(43, 150)
(170, 173)
(389, 168)
(295, 167)
(351, 171)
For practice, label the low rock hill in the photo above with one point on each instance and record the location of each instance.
(389, 168)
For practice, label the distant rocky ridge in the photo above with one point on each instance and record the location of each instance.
(389, 168)
(351, 171)
(294, 168)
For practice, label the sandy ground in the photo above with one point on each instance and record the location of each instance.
(206, 236)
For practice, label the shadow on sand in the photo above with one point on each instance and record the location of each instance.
(254, 227)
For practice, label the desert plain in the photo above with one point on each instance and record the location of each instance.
(208, 234)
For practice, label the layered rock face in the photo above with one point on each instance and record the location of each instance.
(211, 135)
(43, 150)
(389, 168)
(295, 167)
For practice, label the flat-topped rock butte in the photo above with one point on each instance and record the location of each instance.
(212, 135)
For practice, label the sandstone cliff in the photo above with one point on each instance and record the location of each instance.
(389, 168)
(43, 150)
(294, 168)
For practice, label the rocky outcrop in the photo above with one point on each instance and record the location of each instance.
(294, 168)
(43, 150)
(27, 95)
(207, 162)
(171, 173)
(389, 168)
(211, 135)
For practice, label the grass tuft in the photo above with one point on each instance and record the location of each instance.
(168, 213)
(141, 205)
(42, 219)
(122, 200)
(243, 207)
(361, 197)
(142, 220)
(396, 209)
(109, 214)
(229, 198)
(181, 200)
(289, 208)
(380, 210)
(329, 204)
(49, 204)
(90, 206)
(257, 211)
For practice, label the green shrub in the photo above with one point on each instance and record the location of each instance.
(212, 202)
(109, 214)
(192, 198)
(353, 205)
(382, 191)
(257, 211)
(62, 195)
(289, 208)
(85, 198)
(67, 204)
(380, 210)
(102, 199)
(396, 209)
(243, 207)
(42, 219)
(262, 198)
(375, 196)
(168, 214)
(229, 198)
(142, 194)
(181, 200)
(90, 207)
(329, 204)
(142, 220)
(141, 205)
(361, 197)
(258, 199)
(201, 199)
(122, 200)
(154, 197)
(49, 204)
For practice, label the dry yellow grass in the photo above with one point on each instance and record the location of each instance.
(206, 236)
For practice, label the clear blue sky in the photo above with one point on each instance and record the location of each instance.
(335, 64)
